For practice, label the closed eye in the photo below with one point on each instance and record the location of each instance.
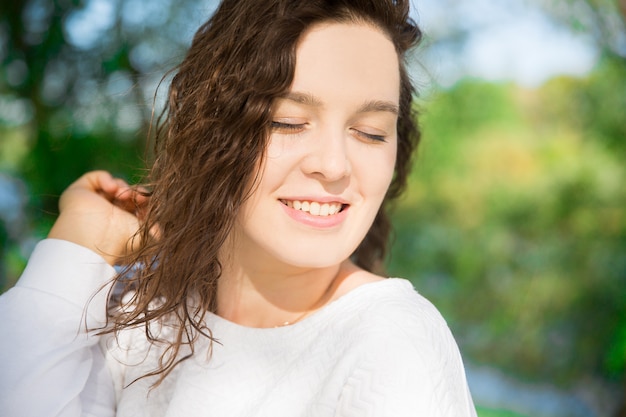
(370, 136)
(287, 127)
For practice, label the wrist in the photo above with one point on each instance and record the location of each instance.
(92, 238)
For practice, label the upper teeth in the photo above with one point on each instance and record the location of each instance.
(315, 208)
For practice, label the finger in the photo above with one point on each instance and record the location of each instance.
(106, 185)
(136, 195)
(133, 202)
(121, 184)
(126, 204)
(97, 181)
(110, 185)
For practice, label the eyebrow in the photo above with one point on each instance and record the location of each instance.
(367, 107)
(379, 106)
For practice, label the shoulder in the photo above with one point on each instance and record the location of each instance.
(391, 300)
(393, 305)
(396, 316)
(391, 314)
(400, 340)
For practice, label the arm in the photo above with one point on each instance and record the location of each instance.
(46, 353)
(51, 365)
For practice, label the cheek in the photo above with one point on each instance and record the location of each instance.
(391, 162)
(278, 159)
(281, 158)
(376, 170)
(275, 148)
(278, 163)
(282, 147)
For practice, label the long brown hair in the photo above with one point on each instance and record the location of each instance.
(210, 140)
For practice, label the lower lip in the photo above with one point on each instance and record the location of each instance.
(320, 222)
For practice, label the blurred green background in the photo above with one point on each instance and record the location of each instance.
(515, 221)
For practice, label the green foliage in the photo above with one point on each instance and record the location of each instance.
(488, 412)
(515, 226)
(595, 105)
(455, 115)
(615, 359)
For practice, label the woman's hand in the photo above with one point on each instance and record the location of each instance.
(101, 213)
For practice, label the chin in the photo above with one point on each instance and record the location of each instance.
(323, 258)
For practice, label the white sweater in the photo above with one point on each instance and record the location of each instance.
(380, 350)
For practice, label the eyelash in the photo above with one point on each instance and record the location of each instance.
(375, 138)
(287, 126)
(294, 128)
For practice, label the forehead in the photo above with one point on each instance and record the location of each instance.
(351, 59)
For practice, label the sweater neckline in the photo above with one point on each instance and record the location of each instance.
(316, 318)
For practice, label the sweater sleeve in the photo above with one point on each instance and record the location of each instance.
(409, 366)
(50, 365)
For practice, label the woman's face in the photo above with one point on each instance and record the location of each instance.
(331, 154)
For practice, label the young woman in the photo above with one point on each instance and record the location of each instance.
(252, 291)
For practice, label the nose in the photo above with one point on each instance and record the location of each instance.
(327, 156)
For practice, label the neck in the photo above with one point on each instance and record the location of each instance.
(256, 297)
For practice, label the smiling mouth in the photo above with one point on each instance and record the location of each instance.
(315, 208)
